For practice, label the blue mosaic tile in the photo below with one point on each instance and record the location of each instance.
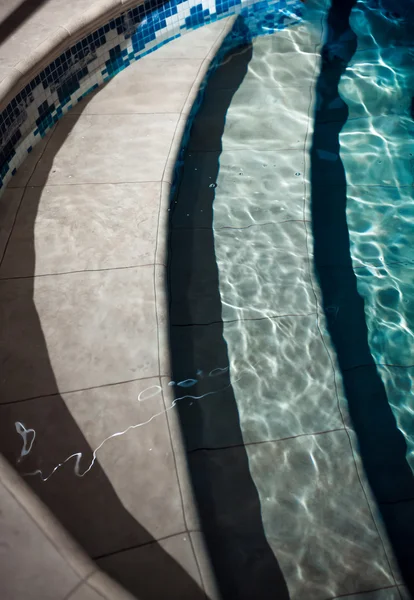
(108, 50)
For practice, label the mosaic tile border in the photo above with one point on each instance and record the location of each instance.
(106, 51)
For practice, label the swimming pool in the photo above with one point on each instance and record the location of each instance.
(288, 307)
(291, 305)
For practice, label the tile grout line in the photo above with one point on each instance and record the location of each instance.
(23, 196)
(93, 387)
(272, 441)
(225, 227)
(207, 61)
(161, 198)
(180, 490)
(377, 364)
(52, 134)
(161, 264)
(95, 183)
(164, 184)
(204, 66)
(224, 321)
(136, 546)
(391, 572)
(347, 595)
(74, 589)
(76, 272)
(154, 376)
(405, 186)
(77, 587)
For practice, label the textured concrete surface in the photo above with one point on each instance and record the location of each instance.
(81, 249)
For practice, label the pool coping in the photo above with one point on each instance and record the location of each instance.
(91, 49)
(66, 35)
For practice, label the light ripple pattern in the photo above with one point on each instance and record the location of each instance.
(315, 513)
(283, 373)
(290, 400)
(377, 149)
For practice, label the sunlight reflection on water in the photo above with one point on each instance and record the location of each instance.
(282, 366)
(377, 150)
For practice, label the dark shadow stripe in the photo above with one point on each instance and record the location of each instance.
(88, 507)
(18, 16)
(227, 499)
(382, 446)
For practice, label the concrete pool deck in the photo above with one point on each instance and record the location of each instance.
(82, 290)
(98, 189)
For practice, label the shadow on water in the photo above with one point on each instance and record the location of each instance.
(227, 500)
(89, 506)
(382, 446)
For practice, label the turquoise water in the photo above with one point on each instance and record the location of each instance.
(378, 154)
(262, 182)
(377, 151)
(290, 262)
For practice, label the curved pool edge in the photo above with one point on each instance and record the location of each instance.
(91, 50)
(60, 561)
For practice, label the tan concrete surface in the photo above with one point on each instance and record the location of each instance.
(80, 240)
(86, 412)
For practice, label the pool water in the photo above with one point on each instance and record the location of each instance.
(292, 304)
(378, 154)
